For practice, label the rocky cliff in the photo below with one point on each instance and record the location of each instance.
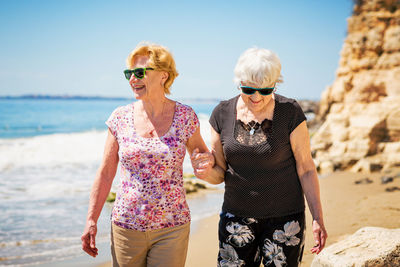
(361, 109)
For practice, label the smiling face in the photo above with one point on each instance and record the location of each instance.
(255, 102)
(152, 85)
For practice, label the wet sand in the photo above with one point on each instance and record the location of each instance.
(347, 207)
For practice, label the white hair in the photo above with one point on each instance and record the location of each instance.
(258, 66)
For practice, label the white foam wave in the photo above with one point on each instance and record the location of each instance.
(54, 253)
(73, 239)
(58, 150)
(51, 150)
(205, 128)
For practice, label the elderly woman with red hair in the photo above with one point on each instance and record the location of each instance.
(149, 139)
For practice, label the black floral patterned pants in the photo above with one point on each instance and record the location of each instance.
(248, 241)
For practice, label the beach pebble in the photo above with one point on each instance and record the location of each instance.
(392, 189)
(326, 167)
(388, 171)
(365, 180)
(386, 179)
(192, 185)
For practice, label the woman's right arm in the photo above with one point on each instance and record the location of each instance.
(100, 189)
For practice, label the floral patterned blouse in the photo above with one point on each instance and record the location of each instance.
(151, 194)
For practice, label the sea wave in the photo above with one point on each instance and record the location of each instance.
(57, 151)
(51, 150)
(45, 184)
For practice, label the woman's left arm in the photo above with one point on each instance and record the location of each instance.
(300, 143)
(202, 159)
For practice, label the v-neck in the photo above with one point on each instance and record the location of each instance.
(160, 136)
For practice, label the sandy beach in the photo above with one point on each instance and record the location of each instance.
(348, 206)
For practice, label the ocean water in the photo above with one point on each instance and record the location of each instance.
(49, 153)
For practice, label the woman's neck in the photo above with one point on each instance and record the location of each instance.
(259, 115)
(154, 107)
(264, 110)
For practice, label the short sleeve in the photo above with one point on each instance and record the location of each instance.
(214, 119)
(113, 121)
(297, 116)
(192, 122)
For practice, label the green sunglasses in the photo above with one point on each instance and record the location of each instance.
(139, 73)
(248, 90)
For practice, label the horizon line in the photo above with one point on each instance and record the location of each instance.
(87, 97)
(99, 97)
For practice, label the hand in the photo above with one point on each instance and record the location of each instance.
(89, 239)
(202, 163)
(320, 236)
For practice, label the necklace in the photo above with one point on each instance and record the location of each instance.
(251, 127)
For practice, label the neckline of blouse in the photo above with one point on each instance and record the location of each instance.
(270, 129)
(156, 137)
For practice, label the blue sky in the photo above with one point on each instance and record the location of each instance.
(80, 47)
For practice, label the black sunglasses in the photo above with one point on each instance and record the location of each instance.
(139, 73)
(251, 90)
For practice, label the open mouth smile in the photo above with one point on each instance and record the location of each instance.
(138, 87)
(255, 102)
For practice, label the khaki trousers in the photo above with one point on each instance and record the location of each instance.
(164, 247)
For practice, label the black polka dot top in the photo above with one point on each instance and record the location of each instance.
(261, 178)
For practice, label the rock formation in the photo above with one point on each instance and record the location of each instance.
(369, 246)
(361, 109)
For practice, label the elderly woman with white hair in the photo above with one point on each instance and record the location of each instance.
(262, 151)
